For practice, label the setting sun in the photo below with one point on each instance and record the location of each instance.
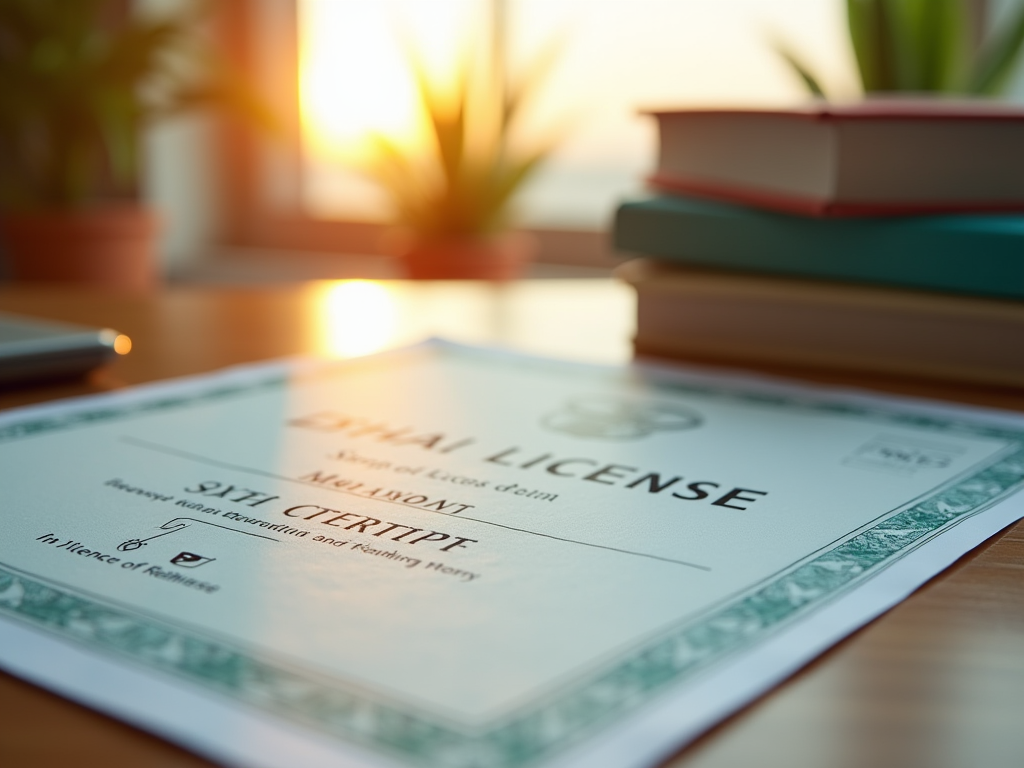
(353, 81)
(355, 69)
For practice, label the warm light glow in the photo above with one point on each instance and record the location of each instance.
(355, 78)
(617, 57)
(352, 81)
(356, 317)
(122, 344)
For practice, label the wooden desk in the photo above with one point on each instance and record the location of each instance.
(938, 681)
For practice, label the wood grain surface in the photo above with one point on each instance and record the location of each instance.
(938, 681)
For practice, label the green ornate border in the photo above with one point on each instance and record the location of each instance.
(520, 739)
(44, 424)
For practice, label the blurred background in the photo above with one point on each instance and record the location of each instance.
(613, 59)
(239, 201)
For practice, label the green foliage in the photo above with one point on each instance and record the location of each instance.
(79, 79)
(997, 59)
(464, 182)
(806, 76)
(926, 46)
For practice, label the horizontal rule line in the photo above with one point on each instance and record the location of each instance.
(228, 528)
(263, 473)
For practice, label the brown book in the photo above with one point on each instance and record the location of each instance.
(739, 317)
(877, 157)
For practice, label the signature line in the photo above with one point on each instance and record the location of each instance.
(226, 528)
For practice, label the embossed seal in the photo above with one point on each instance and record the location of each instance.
(608, 417)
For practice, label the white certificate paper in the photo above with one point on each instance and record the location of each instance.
(458, 558)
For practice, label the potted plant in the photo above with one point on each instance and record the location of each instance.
(926, 46)
(452, 199)
(79, 82)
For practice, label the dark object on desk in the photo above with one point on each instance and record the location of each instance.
(734, 317)
(32, 349)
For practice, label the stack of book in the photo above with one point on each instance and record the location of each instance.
(884, 236)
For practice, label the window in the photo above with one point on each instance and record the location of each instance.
(615, 57)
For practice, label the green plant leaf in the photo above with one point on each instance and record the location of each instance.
(902, 42)
(77, 81)
(811, 83)
(943, 27)
(117, 118)
(514, 176)
(866, 22)
(910, 45)
(464, 181)
(998, 57)
(530, 81)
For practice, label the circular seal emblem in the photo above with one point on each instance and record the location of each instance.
(607, 417)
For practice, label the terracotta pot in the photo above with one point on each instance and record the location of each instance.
(109, 246)
(502, 257)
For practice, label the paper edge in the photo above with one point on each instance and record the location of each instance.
(642, 738)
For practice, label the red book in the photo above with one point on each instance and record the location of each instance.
(870, 158)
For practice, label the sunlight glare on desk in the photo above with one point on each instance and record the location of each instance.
(357, 317)
(584, 320)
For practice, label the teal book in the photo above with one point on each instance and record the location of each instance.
(976, 254)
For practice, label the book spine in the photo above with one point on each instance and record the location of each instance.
(772, 201)
(973, 255)
(809, 206)
(710, 322)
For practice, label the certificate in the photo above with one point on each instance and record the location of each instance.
(462, 558)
